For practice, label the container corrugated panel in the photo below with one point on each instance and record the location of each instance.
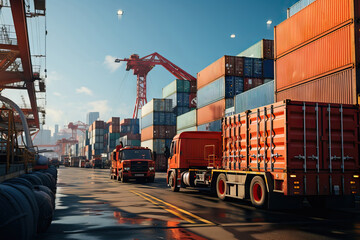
(263, 49)
(158, 118)
(179, 99)
(329, 53)
(239, 66)
(254, 98)
(309, 23)
(156, 145)
(248, 67)
(186, 120)
(157, 105)
(211, 112)
(181, 110)
(245, 134)
(297, 7)
(214, 126)
(154, 132)
(229, 102)
(176, 86)
(189, 129)
(215, 91)
(238, 85)
(221, 67)
(250, 83)
(268, 69)
(193, 86)
(258, 68)
(334, 88)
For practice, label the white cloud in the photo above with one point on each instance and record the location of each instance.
(53, 76)
(54, 115)
(57, 94)
(84, 90)
(100, 106)
(110, 63)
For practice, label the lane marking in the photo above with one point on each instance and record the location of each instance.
(167, 209)
(179, 209)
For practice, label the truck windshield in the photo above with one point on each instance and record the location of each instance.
(136, 154)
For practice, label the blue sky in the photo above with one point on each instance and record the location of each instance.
(84, 36)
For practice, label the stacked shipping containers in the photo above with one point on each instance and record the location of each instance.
(112, 129)
(129, 131)
(158, 127)
(182, 95)
(186, 122)
(317, 53)
(96, 138)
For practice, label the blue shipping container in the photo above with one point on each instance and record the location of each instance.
(181, 110)
(268, 69)
(253, 67)
(158, 118)
(221, 88)
(254, 98)
(238, 85)
(212, 126)
(248, 67)
(179, 99)
(258, 68)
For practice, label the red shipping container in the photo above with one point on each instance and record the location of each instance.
(239, 67)
(328, 54)
(221, 67)
(211, 112)
(192, 100)
(334, 88)
(317, 19)
(170, 131)
(115, 120)
(250, 83)
(295, 137)
(193, 87)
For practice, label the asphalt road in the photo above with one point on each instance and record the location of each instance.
(89, 205)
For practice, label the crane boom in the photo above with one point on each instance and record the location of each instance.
(142, 66)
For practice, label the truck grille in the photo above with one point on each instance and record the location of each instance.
(139, 166)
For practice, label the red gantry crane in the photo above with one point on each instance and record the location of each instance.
(142, 67)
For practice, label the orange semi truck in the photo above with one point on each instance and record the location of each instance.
(132, 163)
(275, 156)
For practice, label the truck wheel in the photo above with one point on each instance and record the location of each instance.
(258, 193)
(221, 186)
(151, 179)
(172, 182)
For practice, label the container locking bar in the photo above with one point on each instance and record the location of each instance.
(265, 140)
(271, 139)
(304, 112)
(257, 138)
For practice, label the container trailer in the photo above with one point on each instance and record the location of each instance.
(274, 155)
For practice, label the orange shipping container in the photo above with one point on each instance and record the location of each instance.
(320, 17)
(211, 112)
(334, 88)
(221, 67)
(328, 54)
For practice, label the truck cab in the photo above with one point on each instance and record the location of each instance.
(132, 163)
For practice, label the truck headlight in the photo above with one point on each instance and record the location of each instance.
(126, 168)
(151, 168)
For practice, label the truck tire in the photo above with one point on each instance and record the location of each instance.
(172, 182)
(221, 186)
(151, 179)
(258, 193)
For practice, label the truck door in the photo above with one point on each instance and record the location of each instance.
(173, 157)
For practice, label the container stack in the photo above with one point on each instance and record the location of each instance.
(158, 127)
(316, 57)
(217, 85)
(112, 133)
(179, 91)
(129, 132)
(186, 122)
(96, 138)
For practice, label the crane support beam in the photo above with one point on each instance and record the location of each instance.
(19, 17)
(142, 66)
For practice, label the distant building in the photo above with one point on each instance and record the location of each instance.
(43, 137)
(91, 117)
